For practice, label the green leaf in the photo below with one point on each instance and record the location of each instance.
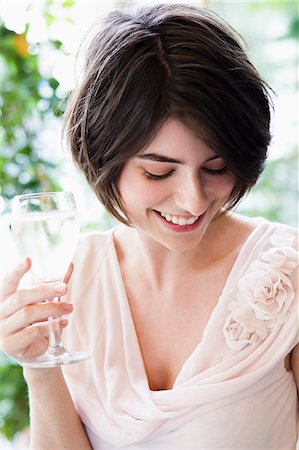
(50, 18)
(67, 3)
(57, 44)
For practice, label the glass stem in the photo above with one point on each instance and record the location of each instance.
(54, 331)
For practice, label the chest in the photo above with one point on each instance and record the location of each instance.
(170, 324)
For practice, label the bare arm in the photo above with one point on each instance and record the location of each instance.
(295, 364)
(54, 422)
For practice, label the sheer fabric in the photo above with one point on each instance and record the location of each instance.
(233, 392)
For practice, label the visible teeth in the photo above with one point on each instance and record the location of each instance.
(179, 220)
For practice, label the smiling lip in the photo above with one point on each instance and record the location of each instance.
(180, 228)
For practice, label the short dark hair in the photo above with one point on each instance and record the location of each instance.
(166, 61)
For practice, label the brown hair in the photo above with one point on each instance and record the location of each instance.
(166, 61)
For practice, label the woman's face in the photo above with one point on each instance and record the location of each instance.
(175, 187)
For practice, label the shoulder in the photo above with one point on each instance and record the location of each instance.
(266, 234)
(266, 285)
(253, 222)
(281, 245)
(269, 269)
(273, 247)
(94, 271)
(92, 260)
(93, 246)
(287, 232)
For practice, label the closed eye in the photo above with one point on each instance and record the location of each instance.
(153, 176)
(216, 171)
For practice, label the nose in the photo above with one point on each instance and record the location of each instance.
(190, 195)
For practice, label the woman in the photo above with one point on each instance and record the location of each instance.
(187, 309)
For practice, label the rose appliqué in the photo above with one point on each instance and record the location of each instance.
(265, 295)
(268, 292)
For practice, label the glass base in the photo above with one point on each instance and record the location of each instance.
(55, 357)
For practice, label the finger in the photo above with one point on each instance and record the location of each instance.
(17, 345)
(12, 279)
(33, 314)
(69, 273)
(25, 297)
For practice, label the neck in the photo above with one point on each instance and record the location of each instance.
(161, 264)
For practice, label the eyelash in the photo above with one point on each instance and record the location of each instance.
(152, 176)
(212, 172)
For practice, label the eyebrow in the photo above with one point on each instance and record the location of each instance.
(161, 158)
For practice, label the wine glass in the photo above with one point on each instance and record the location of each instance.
(45, 228)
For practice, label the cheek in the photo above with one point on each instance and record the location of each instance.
(151, 195)
(139, 195)
(136, 192)
(221, 187)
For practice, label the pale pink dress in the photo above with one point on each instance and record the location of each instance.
(233, 392)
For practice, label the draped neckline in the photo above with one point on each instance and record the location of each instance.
(217, 308)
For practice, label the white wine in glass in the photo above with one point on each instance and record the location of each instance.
(45, 228)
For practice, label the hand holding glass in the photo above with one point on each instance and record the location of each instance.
(45, 228)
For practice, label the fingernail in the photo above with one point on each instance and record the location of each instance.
(67, 306)
(23, 263)
(59, 288)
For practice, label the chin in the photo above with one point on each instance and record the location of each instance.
(180, 243)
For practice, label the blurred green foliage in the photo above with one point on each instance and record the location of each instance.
(271, 31)
(28, 100)
(25, 109)
(276, 190)
(14, 410)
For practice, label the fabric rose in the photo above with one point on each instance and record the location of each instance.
(269, 293)
(236, 336)
(284, 259)
(265, 295)
(242, 327)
